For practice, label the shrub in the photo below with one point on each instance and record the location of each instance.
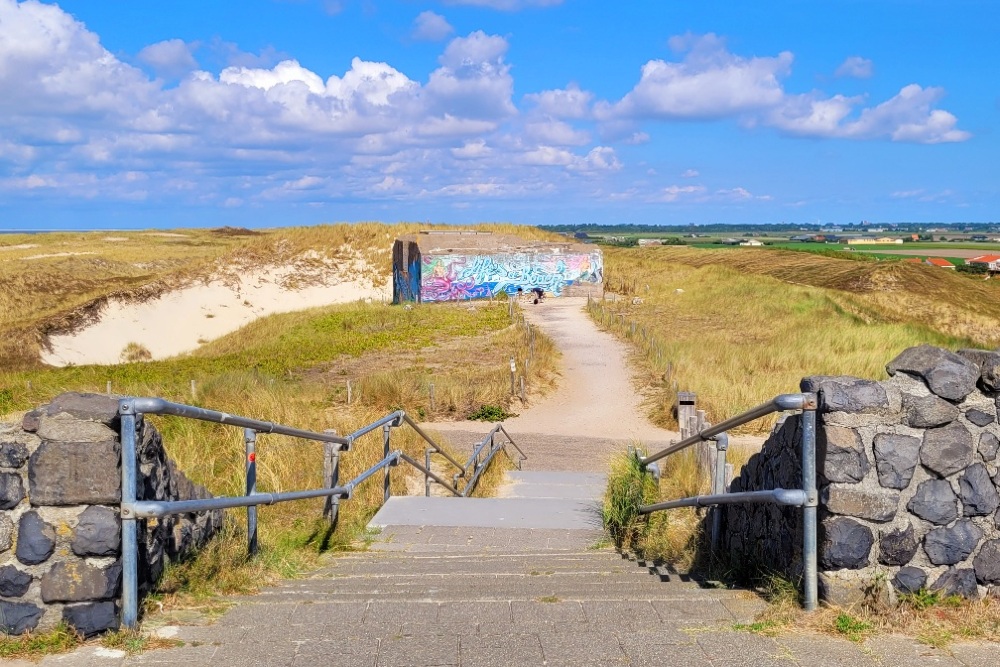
(490, 413)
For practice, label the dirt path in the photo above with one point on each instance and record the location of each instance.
(595, 409)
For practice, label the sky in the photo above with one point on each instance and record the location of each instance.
(132, 114)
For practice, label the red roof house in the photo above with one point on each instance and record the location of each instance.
(939, 262)
(991, 262)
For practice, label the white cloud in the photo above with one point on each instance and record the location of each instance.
(472, 150)
(556, 133)
(709, 83)
(712, 83)
(690, 173)
(431, 27)
(172, 58)
(673, 193)
(855, 67)
(569, 102)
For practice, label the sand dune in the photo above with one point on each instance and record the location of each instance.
(180, 321)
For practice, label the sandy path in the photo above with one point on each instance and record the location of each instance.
(595, 409)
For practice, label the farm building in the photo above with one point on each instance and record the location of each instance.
(991, 262)
(457, 265)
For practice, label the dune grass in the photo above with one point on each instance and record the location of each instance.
(54, 282)
(738, 327)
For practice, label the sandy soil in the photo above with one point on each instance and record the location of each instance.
(182, 320)
(595, 397)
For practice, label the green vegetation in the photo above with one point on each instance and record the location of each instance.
(490, 413)
(36, 646)
(629, 487)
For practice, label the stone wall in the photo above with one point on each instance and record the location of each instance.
(908, 475)
(60, 532)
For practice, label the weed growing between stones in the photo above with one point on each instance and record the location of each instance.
(32, 646)
(134, 642)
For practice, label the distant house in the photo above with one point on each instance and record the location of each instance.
(867, 240)
(978, 237)
(991, 262)
(939, 262)
(752, 242)
(646, 242)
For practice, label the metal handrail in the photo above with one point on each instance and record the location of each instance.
(806, 497)
(131, 410)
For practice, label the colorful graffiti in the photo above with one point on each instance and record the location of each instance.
(454, 277)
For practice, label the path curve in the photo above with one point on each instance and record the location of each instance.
(594, 411)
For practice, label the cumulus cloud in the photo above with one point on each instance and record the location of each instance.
(569, 102)
(711, 83)
(855, 67)
(431, 27)
(690, 173)
(170, 58)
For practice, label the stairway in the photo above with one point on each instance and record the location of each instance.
(525, 579)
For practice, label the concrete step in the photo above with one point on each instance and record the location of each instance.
(529, 513)
(565, 485)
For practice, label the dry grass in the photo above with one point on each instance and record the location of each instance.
(748, 325)
(55, 282)
(931, 619)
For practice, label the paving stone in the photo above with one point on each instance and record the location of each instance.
(501, 651)
(532, 616)
(590, 649)
(278, 654)
(698, 611)
(418, 651)
(731, 648)
(647, 649)
(818, 650)
(900, 651)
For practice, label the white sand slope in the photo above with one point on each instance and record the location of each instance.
(182, 320)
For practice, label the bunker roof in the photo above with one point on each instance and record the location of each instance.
(433, 242)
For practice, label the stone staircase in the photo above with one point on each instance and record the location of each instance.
(522, 580)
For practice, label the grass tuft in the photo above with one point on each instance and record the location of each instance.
(629, 487)
(30, 646)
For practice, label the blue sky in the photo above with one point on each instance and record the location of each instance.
(134, 114)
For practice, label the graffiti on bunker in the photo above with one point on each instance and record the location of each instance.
(453, 277)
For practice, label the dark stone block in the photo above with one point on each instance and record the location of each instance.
(947, 450)
(979, 418)
(876, 504)
(987, 563)
(947, 374)
(13, 454)
(988, 362)
(934, 501)
(91, 407)
(896, 456)
(18, 617)
(13, 582)
(957, 581)
(979, 496)
(927, 411)
(91, 618)
(75, 473)
(947, 546)
(988, 446)
(845, 543)
(77, 581)
(909, 580)
(897, 547)
(11, 490)
(847, 394)
(36, 540)
(841, 455)
(98, 532)
(31, 421)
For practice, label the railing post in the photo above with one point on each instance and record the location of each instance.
(809, 550)
(719, 484)
(331, 476)
(427, 478)
(130, 542)
(386, 492)
(250, 440)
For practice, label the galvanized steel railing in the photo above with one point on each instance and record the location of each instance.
(132, 409)
(806, 497)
